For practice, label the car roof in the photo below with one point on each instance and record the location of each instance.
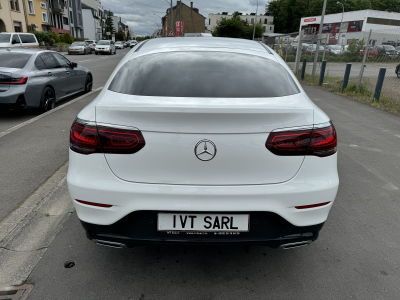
(203, 43)
(24, 50)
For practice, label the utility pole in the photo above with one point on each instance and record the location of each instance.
(180, 17)
(254, 30)
(319, 39)
(172, 17)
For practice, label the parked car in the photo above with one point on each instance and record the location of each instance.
(386, 51)
(125, 44)
(79, 48)
(334, 49)
(39, 78)
(311, 50)
(133, 43)
(119, 45)
(144, 165)
(398, 71)
(128, 43)
(18, 40)
(372, 52)
(92, 44)
(398, 50)
(105, 46)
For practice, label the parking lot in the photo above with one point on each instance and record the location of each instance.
(355, 257)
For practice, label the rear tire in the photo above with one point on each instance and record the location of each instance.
(84, 52)
(48, 99)
(88, 83)
(398, 73)
(96, 53)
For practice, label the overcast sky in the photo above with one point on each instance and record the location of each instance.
(139, 15)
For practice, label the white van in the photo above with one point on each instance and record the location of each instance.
(200, 34)
(17, 39)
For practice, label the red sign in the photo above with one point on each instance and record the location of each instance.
(310, 20)
(171, 33)
(179, 28)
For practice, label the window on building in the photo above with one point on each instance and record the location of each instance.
(65, 20)
(343, 27)
(328, 28)
(70, 17)
(17, 27)
(252, 20)
(16, 5)
(12, 6)
(79, 19)
(265, 21)
(270, 28)
(44, 17)
(355, 26)
(30, 7)
(209, 21)
(43, 5)
(337, 28)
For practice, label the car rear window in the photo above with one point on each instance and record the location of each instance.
(27, 38)
(14, 60)
(205, 75)
(5, 38)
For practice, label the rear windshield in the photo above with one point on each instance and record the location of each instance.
(78, 44)
(14, 60)
(103, 43)
(5, 38)
(203, 74)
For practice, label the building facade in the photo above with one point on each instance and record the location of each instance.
(91, 15)
(343, 27)
(193, 21)
(37, 16)
(13, 16)
(75, 17)
(265, 20)
(57, 11)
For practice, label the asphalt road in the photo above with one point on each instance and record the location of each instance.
(101, 66)
(356, 256)
(33, 153)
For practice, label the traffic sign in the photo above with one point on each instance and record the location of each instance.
(171, 33)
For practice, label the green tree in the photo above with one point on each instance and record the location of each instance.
(353, 51)
(120, 36)
(66, 38)
(56, 38)
(236, 28)
(109, 25)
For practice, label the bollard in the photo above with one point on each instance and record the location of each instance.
(346, 77)
(322, 74)
(379, 84)
(303, 69)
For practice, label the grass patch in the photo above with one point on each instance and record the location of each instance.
(363, 94)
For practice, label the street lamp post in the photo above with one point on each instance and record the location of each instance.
(161, 21)
(341, 21)
(255, 22)
(319, 39)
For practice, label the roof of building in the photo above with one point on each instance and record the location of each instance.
(196, 10)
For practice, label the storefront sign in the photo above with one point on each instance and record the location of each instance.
(310, 20)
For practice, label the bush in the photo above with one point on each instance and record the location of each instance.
(62, 44)
(56, 38)
(77, 39)
(45, 36)
(66, 38)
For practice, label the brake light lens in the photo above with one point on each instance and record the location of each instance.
(88, 138)
(318, 142)
(10, 80)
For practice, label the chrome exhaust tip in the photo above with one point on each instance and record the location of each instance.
(109, 244)
(295, 245)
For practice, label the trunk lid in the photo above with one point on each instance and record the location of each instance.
(234, 129)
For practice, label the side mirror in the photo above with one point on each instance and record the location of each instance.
(74, 65)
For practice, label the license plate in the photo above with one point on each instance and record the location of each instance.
(101, 50)
(203, 222)
(74, 50)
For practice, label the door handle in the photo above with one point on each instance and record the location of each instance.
(50, 74)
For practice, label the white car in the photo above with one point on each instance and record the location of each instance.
(224, 147)
(18, 39)
(119, 45)
(105, 46)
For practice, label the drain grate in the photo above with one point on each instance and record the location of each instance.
(15, 293)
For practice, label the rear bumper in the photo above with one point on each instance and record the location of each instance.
(139, 227)
(10, 97)
(90, 179)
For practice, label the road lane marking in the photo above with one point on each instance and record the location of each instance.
(365, 148)
(84, 60)
(12, 129)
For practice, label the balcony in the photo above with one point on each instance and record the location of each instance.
(57, 6)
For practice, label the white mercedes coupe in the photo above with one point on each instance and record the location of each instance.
(202, 140)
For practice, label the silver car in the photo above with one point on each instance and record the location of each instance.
(39, 78)
(105, 46)
(119, 45)
(79, 48)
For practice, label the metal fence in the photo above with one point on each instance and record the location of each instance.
(369, 53)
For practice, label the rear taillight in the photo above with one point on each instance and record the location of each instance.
(10, 80)
(317, 141)
(87, 138)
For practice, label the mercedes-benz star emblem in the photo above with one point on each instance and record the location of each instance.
(205, 150)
